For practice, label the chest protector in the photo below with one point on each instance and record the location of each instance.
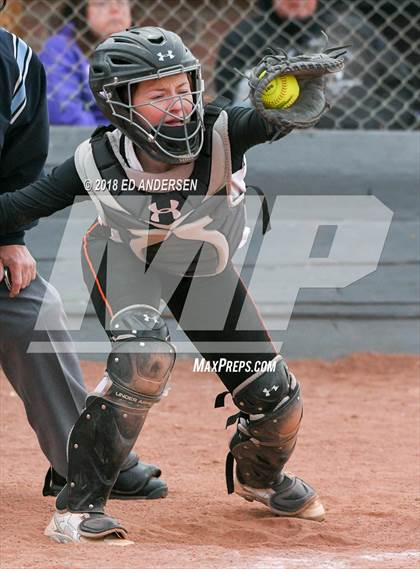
(188, 221)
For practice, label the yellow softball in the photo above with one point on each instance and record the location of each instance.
(281, 92)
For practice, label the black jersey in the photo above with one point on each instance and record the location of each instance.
(23, 121)
(58, 190)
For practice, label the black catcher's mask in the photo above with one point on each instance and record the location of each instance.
(128, 58)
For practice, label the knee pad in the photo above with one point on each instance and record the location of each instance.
(271, 413)
(263, 392)
(142, 358)
(138, 369)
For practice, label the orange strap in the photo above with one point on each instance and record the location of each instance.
(92, 269)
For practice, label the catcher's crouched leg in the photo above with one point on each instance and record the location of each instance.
(138, 369)
(271, 412)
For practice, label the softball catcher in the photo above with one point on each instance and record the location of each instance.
(174, 246)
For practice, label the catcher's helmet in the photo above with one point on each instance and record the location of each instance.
(140, 54)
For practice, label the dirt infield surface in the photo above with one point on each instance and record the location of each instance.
(358, 446)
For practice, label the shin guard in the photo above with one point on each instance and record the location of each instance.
(138, 369)
(268, 424)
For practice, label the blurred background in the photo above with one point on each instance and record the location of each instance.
(378, 90)
(367, 145)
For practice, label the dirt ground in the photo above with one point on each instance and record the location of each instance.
(358, 446)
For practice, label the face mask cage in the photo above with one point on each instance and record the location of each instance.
(170, 143)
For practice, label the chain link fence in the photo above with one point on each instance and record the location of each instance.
(378, 89)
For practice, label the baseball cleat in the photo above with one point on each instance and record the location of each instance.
(291, 497)
(68, 527)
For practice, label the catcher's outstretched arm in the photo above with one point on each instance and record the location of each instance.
(247, 128)
(41, 198)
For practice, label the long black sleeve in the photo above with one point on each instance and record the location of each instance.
(41, 198)
(247, 128)
(23, 120)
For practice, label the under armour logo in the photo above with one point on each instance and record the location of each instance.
(173, 209)
(162, 56)
(268, 391)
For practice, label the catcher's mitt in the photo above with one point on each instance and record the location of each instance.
(310, 71)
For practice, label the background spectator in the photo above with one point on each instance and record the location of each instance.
(371, 90)
(65, 57)
(286, 23)
(379, 88)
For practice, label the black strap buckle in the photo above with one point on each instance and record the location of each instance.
(229, 466)
(220, 399)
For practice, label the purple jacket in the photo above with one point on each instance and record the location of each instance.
(70, 100)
